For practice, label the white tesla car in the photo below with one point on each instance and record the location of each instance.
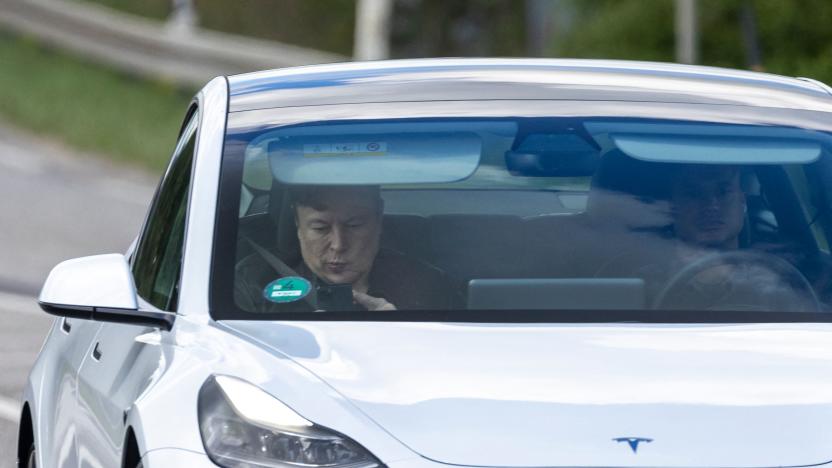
(484, 263)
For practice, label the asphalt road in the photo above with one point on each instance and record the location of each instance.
(55, 204)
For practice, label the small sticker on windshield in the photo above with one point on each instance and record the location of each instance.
(288, 289)
(362, 148)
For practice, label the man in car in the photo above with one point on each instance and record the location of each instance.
(339, 231)
(706, 214)
(708, 209)
(708, 205)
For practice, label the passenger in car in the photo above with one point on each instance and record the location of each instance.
(338, 230)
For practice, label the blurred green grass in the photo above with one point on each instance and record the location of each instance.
(89, 106)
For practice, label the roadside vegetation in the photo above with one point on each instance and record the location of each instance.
(89, 106)
(792, 38)
(92, 107)
(156, 9)
(786, 37)
(318, 24)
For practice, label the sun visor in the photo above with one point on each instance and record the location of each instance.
(712, 143)
(375, 159)
(379, 154)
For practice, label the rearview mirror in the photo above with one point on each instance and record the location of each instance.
(553, 155)
(97, 288)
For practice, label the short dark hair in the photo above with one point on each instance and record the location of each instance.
(696, 170)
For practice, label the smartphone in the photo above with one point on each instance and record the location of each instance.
(335, 297)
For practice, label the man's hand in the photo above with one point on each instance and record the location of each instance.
(372, 303)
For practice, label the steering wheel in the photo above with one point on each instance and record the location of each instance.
(783, 269)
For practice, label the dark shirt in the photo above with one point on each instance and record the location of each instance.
(401, 280)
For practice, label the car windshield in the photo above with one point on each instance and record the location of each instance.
(496, 216)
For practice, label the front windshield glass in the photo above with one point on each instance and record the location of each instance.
(524, 214)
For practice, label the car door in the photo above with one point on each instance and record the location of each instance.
(69, 341)
(123, 358)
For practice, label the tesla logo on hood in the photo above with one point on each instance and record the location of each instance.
(633, 442)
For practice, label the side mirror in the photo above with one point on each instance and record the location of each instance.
(97, 288)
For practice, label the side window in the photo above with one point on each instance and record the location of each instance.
(158, 258)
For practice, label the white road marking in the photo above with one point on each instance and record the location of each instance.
(9, 409)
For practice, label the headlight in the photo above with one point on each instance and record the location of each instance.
(243, 426)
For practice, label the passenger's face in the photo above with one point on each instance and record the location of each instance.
(709, 206)
(339, 235)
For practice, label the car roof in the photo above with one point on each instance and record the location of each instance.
(520, 79)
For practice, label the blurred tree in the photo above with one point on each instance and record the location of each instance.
(751, 40)
(794, 38)
(620, 29)
(464, 28)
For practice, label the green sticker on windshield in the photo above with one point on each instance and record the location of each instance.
(288, 289)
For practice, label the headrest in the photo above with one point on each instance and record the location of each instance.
(621, 173)
(630, 192)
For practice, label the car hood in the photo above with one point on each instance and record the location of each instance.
(520, 395)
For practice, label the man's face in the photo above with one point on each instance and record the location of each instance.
(339, 234)
(709, 206)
